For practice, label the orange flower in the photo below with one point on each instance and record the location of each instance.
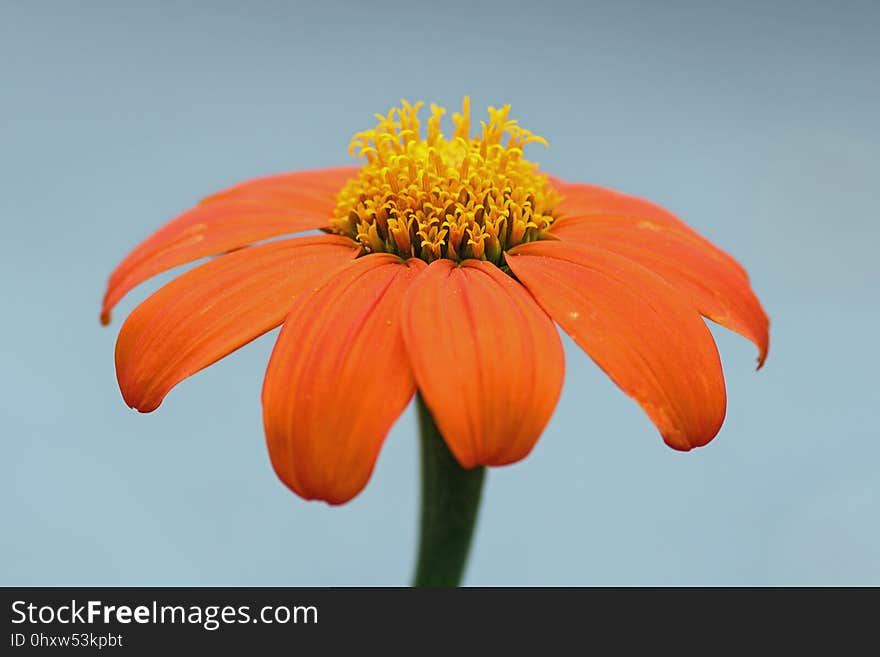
(442, 267)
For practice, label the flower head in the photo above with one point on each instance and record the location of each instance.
(443, 266)
(467, 197)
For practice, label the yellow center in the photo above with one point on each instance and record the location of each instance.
(432, 198)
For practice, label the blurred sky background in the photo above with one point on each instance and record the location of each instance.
(756, 122)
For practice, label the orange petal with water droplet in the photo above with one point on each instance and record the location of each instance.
(637, 327)
(712, 286)
(585, 200)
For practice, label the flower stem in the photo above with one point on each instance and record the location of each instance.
(450, 501)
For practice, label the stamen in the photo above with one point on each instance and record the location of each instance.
(468, 197)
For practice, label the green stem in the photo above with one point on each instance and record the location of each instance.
(450, 501)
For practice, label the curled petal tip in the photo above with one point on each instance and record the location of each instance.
(682, 443)
(679, 447)
(762, 355)
(105, 317)
(129, 395)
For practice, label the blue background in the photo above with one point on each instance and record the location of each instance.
(755, 122)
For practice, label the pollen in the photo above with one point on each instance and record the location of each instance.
(433, 197)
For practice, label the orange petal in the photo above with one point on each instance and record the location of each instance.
(339, 378)
(288, 188)
(214, 309)
(583, 200)
(637, 328)
(716, 289)
(248, 212)
(488, 361)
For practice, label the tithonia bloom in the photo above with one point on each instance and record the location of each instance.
(441, 266)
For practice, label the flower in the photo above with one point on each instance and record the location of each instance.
(442, 267)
